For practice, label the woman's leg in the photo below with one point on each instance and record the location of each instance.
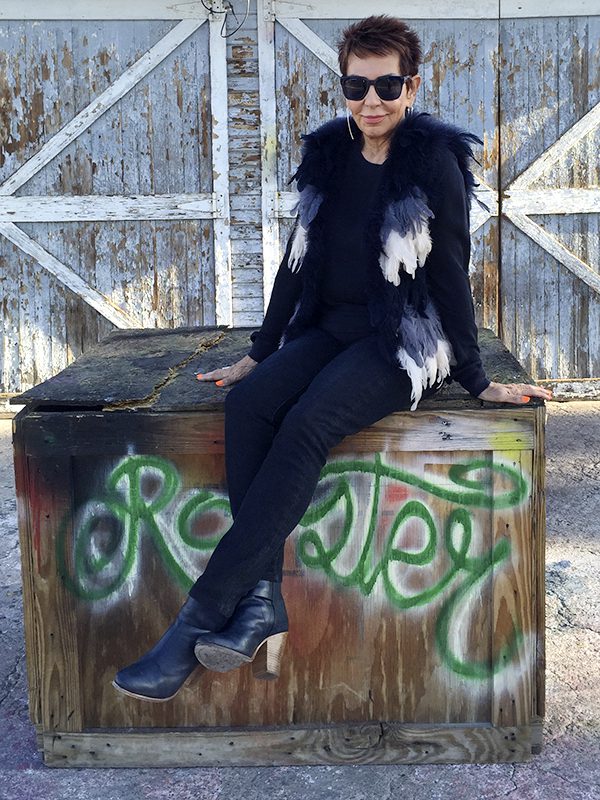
(352, 390)
(255, 407)
(268, 391)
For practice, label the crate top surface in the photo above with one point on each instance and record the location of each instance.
(155, 370)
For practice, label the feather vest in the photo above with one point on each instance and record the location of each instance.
(410, 333)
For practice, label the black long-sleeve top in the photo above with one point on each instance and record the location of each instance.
(343, 288)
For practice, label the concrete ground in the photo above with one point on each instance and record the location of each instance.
(569, 766)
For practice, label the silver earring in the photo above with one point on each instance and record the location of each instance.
(348, 121)
(408, 111)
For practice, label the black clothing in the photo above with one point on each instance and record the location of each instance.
(343, 309)
(446, 270)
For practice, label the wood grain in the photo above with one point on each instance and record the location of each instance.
(367, 744)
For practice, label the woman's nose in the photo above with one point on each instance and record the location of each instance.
(371, 97)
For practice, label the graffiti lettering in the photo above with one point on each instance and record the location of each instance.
(143, 494)
(365, 574)
(105, 543)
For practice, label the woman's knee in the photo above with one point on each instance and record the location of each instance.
(309, 425)
(249, 398)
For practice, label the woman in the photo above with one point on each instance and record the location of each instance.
(371, 310)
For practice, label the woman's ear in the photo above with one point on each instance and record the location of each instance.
(415, 82)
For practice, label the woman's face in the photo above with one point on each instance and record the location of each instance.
(375, 117)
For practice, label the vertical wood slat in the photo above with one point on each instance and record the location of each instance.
(268, 137)
(512, 619)
(28, 569)
(50, 499)
(538, 561)
(513, 614)
(220, 162)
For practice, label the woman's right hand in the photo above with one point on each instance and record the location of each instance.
(225, 376)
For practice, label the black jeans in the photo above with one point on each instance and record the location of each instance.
(281, 420)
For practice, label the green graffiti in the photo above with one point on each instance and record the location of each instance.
(315, 554)
(91, 577)
(97, 552)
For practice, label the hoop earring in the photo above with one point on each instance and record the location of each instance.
(348, 121)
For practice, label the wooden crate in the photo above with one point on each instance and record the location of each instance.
(414, 582)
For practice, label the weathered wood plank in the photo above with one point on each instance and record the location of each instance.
(458, 428)
(513, 612)
(54, 607)
(65, 208)
(552, 201)
(160, 9)
(372, 743)
(429, 9)
(538, 554)
(26, 541)
(573, 388)
(268, 146)
(163, 354)
(220, 167)
(104, 9)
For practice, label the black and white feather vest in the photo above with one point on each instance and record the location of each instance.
(408, 324)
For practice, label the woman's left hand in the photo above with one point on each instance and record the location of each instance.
(519, 393)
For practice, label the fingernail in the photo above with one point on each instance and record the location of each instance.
(525, 399)
(219, 383)
(199, 375)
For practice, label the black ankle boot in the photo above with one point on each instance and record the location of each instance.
(161, 672)
(256, 632)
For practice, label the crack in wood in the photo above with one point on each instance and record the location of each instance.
(173, 372)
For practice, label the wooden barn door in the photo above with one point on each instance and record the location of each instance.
(483, 70)
(114, 207)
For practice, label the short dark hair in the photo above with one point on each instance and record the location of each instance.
(379, 36)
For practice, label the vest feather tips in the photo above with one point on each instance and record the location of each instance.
(306, 208)
(405, 236)
(299, 246)
(425, 352)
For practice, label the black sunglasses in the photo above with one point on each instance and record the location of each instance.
(388, 87)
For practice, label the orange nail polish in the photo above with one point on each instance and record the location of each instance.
(219, 383)
(525, 399)
(199, 375)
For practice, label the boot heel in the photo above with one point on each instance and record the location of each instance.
(267, 661)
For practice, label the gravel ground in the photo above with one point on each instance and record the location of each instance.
(569, 764)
